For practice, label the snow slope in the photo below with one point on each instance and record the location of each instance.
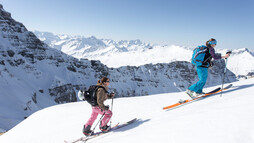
(226, 119)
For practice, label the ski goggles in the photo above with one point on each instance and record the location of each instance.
(212, 42)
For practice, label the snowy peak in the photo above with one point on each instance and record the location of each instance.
(241, 62)
(237, 51)
(8, 21)
(244, 50)
(51, 37)
(4, 14)
(82, 47)
(117, 53)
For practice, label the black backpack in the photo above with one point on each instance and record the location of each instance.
(201, 56)
(90, 94)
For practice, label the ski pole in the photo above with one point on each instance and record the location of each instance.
(98, 121)
(111, 108)
(224, 73)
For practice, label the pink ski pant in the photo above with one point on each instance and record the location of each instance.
(97, 110)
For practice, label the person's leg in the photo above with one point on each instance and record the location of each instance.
(202, 75)
(87, 127)
(93, 117)
(106, 118)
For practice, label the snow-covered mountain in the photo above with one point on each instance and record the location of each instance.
(114, 53)
(136, 53)
(241, 62)
(34, 76)
(226, 119)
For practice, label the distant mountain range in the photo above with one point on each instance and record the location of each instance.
(135, 52)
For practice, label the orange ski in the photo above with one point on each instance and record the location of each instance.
(181, 102)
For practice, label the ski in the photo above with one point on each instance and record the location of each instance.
(182, 102)
(83, 139)
(117, 126)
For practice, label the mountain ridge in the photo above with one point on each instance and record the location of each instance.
(117, 53)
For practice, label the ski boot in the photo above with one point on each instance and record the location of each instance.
(190, 93)
(105, 128)
(87, 131)
(198, 94)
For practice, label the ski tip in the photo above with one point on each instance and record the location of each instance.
(227, 87)
(133, 120)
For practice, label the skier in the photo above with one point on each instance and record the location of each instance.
(196, 89)
(102, 94)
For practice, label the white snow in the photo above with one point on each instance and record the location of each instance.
(158, 54)
(226, 119)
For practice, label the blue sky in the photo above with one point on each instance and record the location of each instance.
(180, 22)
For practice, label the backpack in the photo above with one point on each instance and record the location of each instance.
(90, 95)
(199, 56)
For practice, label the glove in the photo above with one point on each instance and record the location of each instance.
(111, 95)
(106, 107)
(229, 52)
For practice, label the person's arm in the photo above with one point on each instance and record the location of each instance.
(214, 55)
(101, 98)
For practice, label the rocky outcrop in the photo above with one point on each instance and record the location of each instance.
(63, 94)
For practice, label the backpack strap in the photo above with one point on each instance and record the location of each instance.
(99, 86)
(202, 50)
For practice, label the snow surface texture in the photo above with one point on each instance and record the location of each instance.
(118, 53)
(226, 119)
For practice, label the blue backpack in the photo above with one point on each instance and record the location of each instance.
(198, 56)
